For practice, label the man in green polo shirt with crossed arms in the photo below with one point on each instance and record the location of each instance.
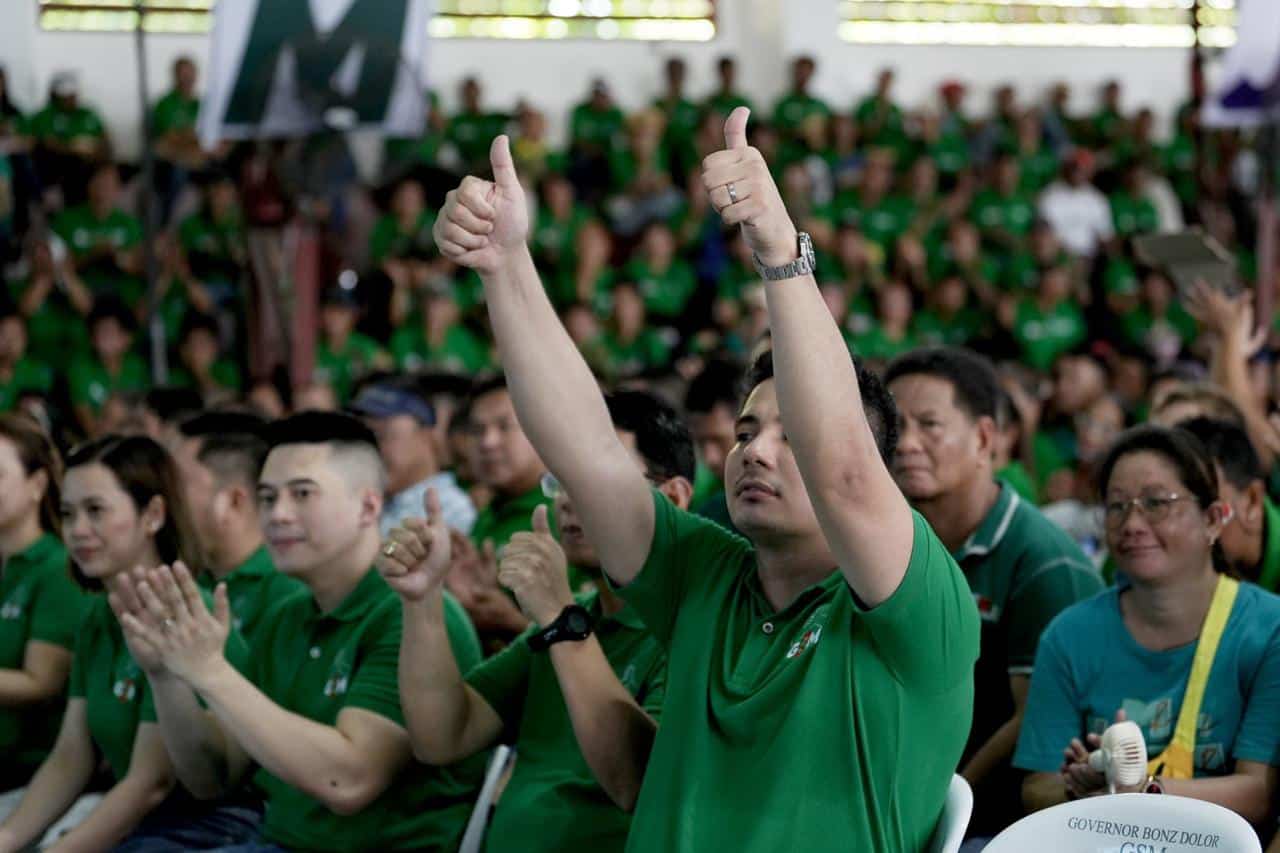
(823, 679)
(1022, 568)
(320, 713)
(582, 738)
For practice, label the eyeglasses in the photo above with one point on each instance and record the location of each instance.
(1154, 508)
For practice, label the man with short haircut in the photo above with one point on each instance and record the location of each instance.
(405, 424)
(582, 741)
(320, 711)
(219, 455)
(505, 462)
(1251, 537)
(1022, 569)
(823, 688)
(711, 405)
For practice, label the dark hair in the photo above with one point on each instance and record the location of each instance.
(111, 307)
(487, 385)
(144, 471)
(460, 423)
(877, 402)
(319, 428)
(1229, 446)
(231, 443)
(171, 404)
(717, 384)
(37, 452)
(1185, 452)
(971, 376)
(198, 321)
(662, 438)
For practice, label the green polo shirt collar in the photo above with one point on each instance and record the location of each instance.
(37, 552)
(368, 594)
(991, 531)
(1269, 577)
(828, 584)
(627, 617)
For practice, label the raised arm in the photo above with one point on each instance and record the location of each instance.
(484, 226)
(866, 520)
(447, 720)
(614, 733)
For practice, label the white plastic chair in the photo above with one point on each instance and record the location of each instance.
(1137, 822)
(949, 833)
(473, 838)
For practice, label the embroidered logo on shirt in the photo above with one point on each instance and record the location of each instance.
(810, 638)
(339, 675)
(11, 610)
(988, 610)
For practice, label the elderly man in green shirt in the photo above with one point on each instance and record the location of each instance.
(319, 713)
(816, 661)
(1022, 569)
(580, 709)
(1250, 540)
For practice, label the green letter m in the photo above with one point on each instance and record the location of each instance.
(377, 26)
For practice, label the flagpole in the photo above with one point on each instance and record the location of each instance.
(155, 323)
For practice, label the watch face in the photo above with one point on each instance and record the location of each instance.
(577, 623)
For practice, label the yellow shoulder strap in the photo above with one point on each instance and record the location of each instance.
(1178, 759)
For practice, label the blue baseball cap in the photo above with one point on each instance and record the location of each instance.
(386, 401)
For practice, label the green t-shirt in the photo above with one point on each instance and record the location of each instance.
(1014, 214)
(1133, 215)
(315, 665)
(665, 293)
(66, 125)
(597, 128)
(1120, 277)
(55, 332)
(504, 517)
(648, 352)
(83, 232)
(253, 588)
(1038, 168)
(1017, 476)
(28, 375)
(930, 328)
(461, 351)
(882, 222)
(388, 241)
(876, 345)
(473, 133)
(553, 802)
(175, 111)
(92, 385)
(724, 103)
(340, 369)
(1045, 335)
(1174, 330)
(1023, 570)
(216, 249)
(790, 730)
(794, 109)
(38, 603)
(890, 131)
(117, 695)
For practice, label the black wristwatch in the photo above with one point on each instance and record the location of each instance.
(573, 623)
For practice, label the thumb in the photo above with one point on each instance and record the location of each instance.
(222, 607)
(735, 128)
(540, 524)
(504, 168)
(432, 505)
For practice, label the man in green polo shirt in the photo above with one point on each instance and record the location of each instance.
(1251, 538)
(320, 712)
(506, 463)
(1022, 569)
(104, 239)
(111, 368)
(472, 127)
(173, 131)
(69, 139)
(581, 715)
(797, 106)
(817, 661)
(218, 455)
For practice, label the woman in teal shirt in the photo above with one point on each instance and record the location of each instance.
(40, 606)
(121, 508)
(1128, 651)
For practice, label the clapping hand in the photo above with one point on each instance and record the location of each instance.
(188, 638)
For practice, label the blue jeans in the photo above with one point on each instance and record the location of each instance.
(179, 830)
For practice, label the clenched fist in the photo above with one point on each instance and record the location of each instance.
(483, 222)
(743, 191)
(415, 556)
(533, 566)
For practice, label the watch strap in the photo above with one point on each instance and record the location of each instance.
(568, 626)
(804, 264)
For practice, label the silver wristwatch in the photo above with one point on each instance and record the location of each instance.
(806, 264)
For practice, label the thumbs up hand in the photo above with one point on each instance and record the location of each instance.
(533, 566)
(483, 222)
(743, 191)
(415, 556)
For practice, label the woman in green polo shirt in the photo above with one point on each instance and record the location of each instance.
(40, 607)
(121, 507)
